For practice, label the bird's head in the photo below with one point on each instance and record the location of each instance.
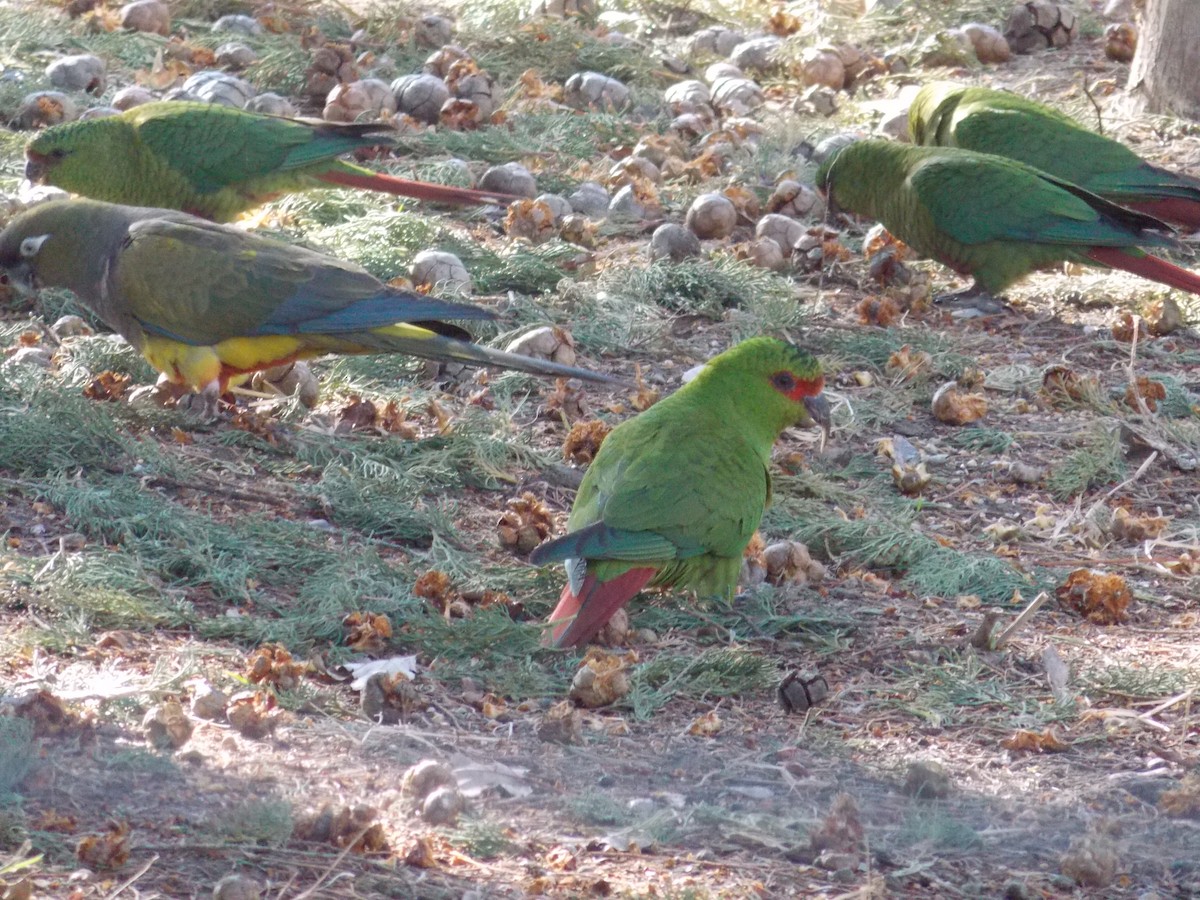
(772, 381)
(47, 246)
(925, 114)
(71, 155)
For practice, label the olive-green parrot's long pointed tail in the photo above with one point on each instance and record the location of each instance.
(1147, 266)
(417, 341)
(346, 176)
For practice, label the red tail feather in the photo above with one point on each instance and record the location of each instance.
(593, 607)
(1148, 267)
(418, 190)
(1175, 210)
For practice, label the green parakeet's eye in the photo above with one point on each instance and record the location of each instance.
(784, 382)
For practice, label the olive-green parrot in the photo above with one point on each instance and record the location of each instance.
(215, 161)
(946, 114)
(205, 302)
(991, 217)
(675, 494)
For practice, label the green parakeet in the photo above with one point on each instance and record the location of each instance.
(675, 494)
(991, 217)
(946, 114)
(205, 302)
(214, 161)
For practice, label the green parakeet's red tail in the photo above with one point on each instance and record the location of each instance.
(1146, 266)
(1177, 210)
(579, 617)
(418, 190)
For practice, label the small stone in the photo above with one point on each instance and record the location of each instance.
(760, 54)
(673, 242)
(152, 16)
(798, 693)
(218, 87)
(445, 271)
(235, 55)
(37, 357)
(510, 178)
(783, 230)
(927, 781)
(593, 90)
(237, 887)
(364, 100)
(129, 97)
(238, 24)
(712, 215)
(421, 96)
(271, 104)
(209, 703)
(70, 326)
(590, 199)
(425, 777)
(82, 72)
(442, 806)
(42, 109)
(433, 31)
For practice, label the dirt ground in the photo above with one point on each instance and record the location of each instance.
(870, 730)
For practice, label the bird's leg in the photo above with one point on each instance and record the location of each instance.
(202, 405)
(973, 297)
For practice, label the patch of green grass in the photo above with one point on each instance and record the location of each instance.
(18, 752)
(480, 839)
(598, 809)
(990, 440)
(888, 541)
(1148, 683)
(262, 821)
(713, 673)
(1098, 460)
(935, 830)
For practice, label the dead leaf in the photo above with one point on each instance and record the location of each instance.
(602, 678)
(524, 524)
(1098, 597)
(1035, 742)
(107, 386)
(956, 407)
(584, 439)
(908, 363)
(273, 664)
(1149, 390)
(368, 632)
(706, 725)
(106, 851)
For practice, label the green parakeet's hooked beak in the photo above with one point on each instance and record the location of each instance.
(821, 413)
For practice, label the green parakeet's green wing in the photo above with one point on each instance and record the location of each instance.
(976, 200)
(214, 146)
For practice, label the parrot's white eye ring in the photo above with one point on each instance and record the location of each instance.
(31, 245)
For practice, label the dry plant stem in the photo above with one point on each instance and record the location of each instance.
(119, 889)
(1019, 622)
(308, 892)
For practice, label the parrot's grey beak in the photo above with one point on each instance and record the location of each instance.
(20, 279)
(821, 413)
(35, 169)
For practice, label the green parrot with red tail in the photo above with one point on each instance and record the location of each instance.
(675, 494)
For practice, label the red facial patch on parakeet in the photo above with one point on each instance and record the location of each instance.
(794, 387)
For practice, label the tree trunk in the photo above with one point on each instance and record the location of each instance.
(1164, 74)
